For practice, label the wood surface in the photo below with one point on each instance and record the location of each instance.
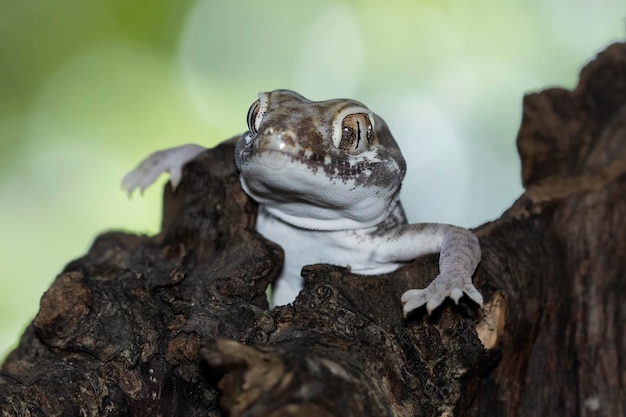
(179, 325)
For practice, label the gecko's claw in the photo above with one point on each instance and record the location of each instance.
(176, 174)
(139, 178)
(432, 304)
(456, 293)
(169, 160)
(412, 297)
(433, 295)
(473, 294)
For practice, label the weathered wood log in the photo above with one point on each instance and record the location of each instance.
(179, 324)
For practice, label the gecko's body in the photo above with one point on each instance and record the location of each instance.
(307, 247)
(327, 176)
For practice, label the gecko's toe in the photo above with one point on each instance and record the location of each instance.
(412, 300)
(473, 294)
(456, 293)
(176, 175)
(129, 183)
(444, 286)
(410, 306)
(168, 160)
(410, 294)
(433, 303)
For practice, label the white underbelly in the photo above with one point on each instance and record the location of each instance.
(353, 249)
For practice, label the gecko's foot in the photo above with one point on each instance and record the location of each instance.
(443, 286)
(169, 160)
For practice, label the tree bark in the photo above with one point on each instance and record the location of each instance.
(179, 324)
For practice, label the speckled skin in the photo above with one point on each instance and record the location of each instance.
(327, 177)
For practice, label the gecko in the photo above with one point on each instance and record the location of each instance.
(327, 176)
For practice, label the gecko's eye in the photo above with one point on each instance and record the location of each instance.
(253, 112)
(257, 111)
(357, 131)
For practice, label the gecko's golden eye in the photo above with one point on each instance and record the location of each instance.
(356, 133)
(257, 111)
(253, 112)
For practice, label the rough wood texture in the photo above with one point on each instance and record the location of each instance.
(179, 324)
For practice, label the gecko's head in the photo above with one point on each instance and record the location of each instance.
(325, 165)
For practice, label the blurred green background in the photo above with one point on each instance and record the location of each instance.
(89, 87)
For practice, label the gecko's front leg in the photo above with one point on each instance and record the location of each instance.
(169, 160)
(459, 256)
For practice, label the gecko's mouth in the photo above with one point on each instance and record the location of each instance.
(282, 160)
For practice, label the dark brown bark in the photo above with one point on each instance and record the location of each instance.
(178, 324)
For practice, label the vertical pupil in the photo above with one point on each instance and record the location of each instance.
(253, 112)
(356, 133)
